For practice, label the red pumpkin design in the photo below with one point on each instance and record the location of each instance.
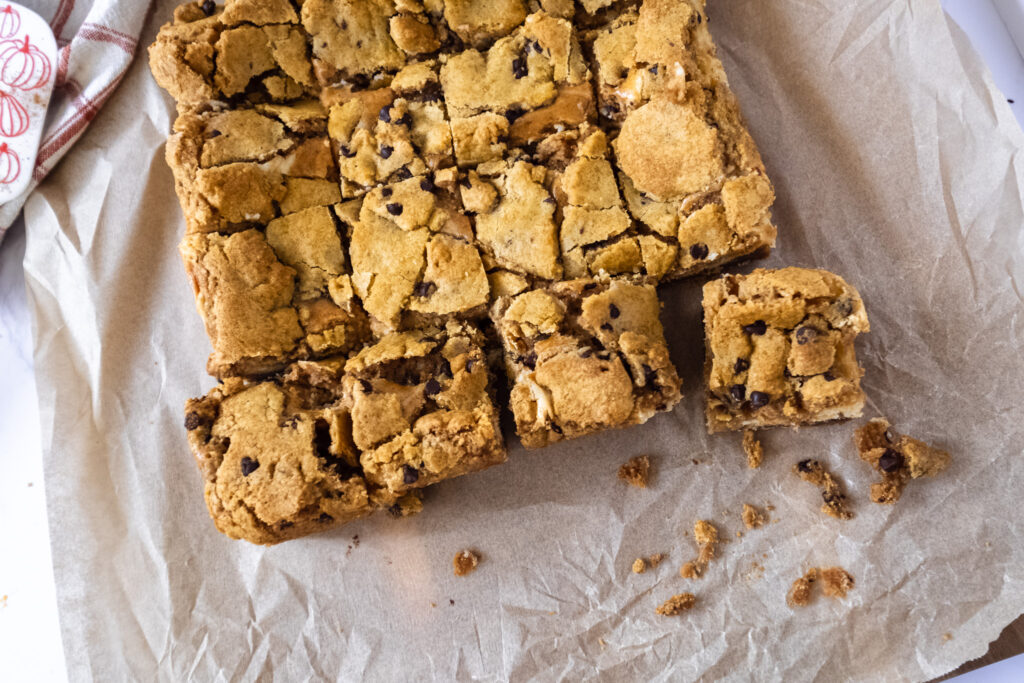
(13, 117)
(22, 65)
(10, 22)
(10, 165)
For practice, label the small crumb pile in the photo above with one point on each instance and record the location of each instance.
(677, 604)
(753, 448)
(408, 505)
(815, 473)
(706, 536)
(640, 564)
(636, 471)
(465, 561)
(897, 457)
(752, 517)
(836, 582)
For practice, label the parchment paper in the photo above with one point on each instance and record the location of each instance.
(897, 164)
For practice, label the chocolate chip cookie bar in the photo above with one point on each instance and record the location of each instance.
(780, 349)
(688, 167)
(584, 356)
(329, 441)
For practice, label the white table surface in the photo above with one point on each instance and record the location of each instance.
(30, 646)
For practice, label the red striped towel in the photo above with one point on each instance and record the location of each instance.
(97, 40)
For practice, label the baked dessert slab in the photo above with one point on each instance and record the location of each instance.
(326, 442)
(688, 167)
(584, 356)
(780, 349)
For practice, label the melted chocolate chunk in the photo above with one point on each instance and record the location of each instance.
(519, 67)
(446, 368)
(741, 365)
(614, 311)
(403, 173)
(395, 209)
(759, 399)
(699, 252)
(366, 386)
(386, 192)
(424, 289)
(805, 335)
(556, 429)
(804, 465)
(738, 392)
(208, 7)
(890, 461)
(192, 421)
(249, 466)
(385, 113)
(427, 185)
(346, 152)
(410, 475)
(386, 151)
(756, 328)
(432, 387)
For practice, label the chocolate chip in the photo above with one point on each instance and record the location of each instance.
(738, 392)
(613, 311)
(805, 334)
(532, 46)
(344, 25)
(623, 73)
(607, 327)
(513, 113)
(890, 461)
(549, 200)
(432, 387)
(346, 152)
(427, 185)
(387, 192)
(403, 173)
(804, 466)
(385, 113)
(395, 209)
(698, 252)
(649, 375)
(406, 119)
(589, 286)
(844, 307)
(424, 289)
(654, 69)
(529, 360)
(410, 475)
(208, 7)
(759, 399)
(542, 336)
(446, 368)
(556, 429)
(469, 365)
(325, 518)
(755, 328)
(586, 353)
(465, 182)
(192, 421)
(386, 151)
(249, 466)
(366, 386)
(829, 377)
(519, 67)
(741, 365)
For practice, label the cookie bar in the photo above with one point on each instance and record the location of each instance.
(413, 258)
(527, 85)
(276, 459)
(898, 458)
(780, 349)
(584, 356)
(689, 169)
(271, 297)
(243, 51)
(243, 167)
(421, 407)
(390, 133)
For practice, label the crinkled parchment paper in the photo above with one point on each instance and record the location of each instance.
(897, 164)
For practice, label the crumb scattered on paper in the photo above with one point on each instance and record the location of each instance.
(947, 636)
(706, 537)
(752, 517)
(677, 604)
(835, 582)
(753, 573)
(655, 559)
(800, 592)
(753, 448)
(639, 565)
(814, 472)
(451, 601)
(636, 471)
(465, 561)
(897, 457)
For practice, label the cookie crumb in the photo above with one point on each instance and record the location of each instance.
(897, 457)
(812, 471)
(706, 536)
(636, 471)
(677, 604)
(800, 592)
(947, 636)
(836, 582)
(451, 601)
(752, 517)
(753, 448)
(655, 559)
(464, 562)
(639, 565)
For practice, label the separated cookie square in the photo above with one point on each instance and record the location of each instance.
(780, 349)
(583, 356)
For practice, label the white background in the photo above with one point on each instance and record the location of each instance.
(30, 648)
